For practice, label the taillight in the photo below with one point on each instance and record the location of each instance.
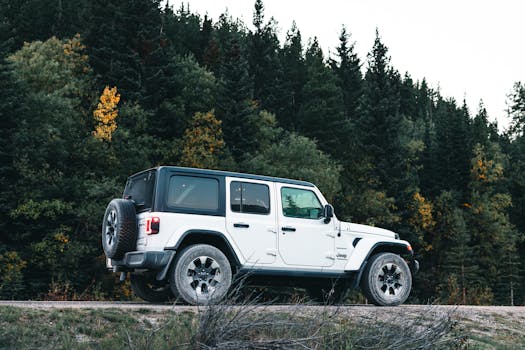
(152, 225)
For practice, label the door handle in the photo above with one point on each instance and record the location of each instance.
(241, 225)
(288, 228)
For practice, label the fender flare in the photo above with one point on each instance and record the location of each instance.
(200, 237)
(382, 247)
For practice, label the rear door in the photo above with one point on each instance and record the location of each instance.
(304, 238)
(251, 220)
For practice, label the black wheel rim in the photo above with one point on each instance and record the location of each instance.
(391, 282)
(111, 227)
(203, 275)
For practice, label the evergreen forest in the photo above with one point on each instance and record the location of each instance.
(92, 91)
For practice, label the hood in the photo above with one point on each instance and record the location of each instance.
(365, 229)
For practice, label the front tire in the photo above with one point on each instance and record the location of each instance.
(146, 287)
(201, 275)
(387, 280)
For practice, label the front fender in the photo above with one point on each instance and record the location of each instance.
(367, 247)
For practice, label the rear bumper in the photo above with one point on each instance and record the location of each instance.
(147, 260)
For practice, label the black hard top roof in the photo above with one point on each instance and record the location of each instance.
(231, 174)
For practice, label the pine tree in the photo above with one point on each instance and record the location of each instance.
(235, 105)
(451, 154)
(494, 236)
(125, 44)
(516, 109)
(264, 65)
(348, 70)
(31, 20)
(379, 123)
(452, 256)
(183, 31)
(321, 116)
(294, 78)
(13, 109)
(482, 131)
(189, 89)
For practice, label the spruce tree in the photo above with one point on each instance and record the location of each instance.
(453, 257)
(263, 59)
(294, 78)
(321, 116)
(516, 109)
(235, 105)
(379, 122)
(348, 70)
(451, 155)
(125, 46)
(494, 237)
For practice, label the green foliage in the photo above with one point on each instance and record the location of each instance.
(348, 70)
(385, 150)
(321, 116)
(202, 143)
(517, 109)
(11, 274)
(295, 156)
(191, 89)
(55, 66)
(294, 78)
(263, 60)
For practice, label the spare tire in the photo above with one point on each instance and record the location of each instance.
(119, 228)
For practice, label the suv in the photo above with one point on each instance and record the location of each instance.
(186, 233)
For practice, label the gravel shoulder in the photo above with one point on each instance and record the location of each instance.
(487, 327)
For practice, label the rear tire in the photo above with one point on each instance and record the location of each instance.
(386, 280)
(201, 275)
(119, 228)
(146, 287)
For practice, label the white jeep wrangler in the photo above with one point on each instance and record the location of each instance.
(185, 233)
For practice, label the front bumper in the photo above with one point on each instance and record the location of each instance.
(147, 260)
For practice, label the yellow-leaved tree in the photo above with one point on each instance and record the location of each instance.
(422, 221)
(106, 113)
(202, 143)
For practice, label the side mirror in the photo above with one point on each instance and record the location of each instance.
(328, 213)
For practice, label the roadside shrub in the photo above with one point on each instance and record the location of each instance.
(11, 276)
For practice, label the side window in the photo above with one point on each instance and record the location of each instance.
(140, 189)
(190, 192)
(249, 198)
(299, 203)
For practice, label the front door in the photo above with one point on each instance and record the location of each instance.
(250, 219)
(304, 238)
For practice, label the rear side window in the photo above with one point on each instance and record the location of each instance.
(139, 188)
(196, 193)
(249, 198)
